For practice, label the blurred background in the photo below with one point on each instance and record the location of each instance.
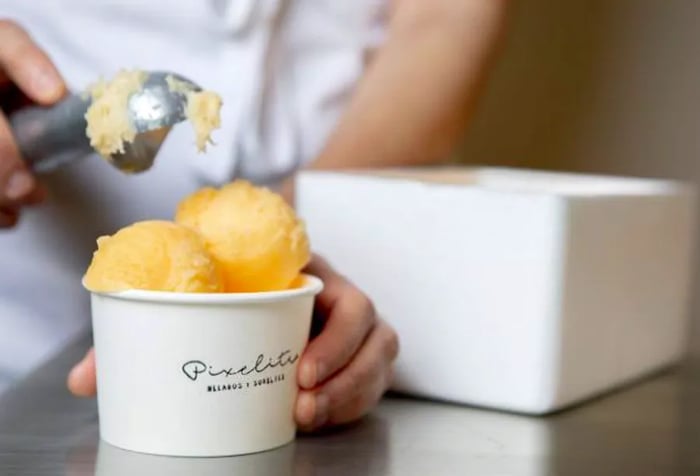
(596, 86)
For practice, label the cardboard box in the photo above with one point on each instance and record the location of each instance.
(517, 290)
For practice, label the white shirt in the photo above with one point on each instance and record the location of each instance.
(284, 68)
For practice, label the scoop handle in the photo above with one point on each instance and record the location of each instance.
(49, 137)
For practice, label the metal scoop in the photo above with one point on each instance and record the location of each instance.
(53, 136)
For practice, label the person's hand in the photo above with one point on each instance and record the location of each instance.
(345, 369)
(348, 366)
(27, 76)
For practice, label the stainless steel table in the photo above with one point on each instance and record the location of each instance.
(652, 428)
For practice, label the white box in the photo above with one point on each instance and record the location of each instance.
(517, 290)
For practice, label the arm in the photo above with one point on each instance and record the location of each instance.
(416, 98)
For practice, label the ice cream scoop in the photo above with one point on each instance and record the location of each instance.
(49, 137)
(255, 236)
(153, 255)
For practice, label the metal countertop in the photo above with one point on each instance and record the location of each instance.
(652, 428)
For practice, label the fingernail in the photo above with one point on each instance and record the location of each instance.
(19, 184)
(47, 84)
(75, 373)
(305, 409)
(322, 404)
(81, 367)
(307, 375)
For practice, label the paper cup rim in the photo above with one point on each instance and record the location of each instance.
(311, 287)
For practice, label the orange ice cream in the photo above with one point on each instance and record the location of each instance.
(254, 235)
(153, 255)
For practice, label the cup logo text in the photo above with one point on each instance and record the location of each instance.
(193, 369)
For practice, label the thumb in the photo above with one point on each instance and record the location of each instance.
(82, 379)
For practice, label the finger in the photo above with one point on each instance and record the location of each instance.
(356, 389)
(28, 66)
(16, 182)
(348, 324)
(311, 410)
(319, 267)
(333, 282)
(82, 380)
(313, 369)
(38, 195)
(305, 409)
(356, 407)
(335, 285)
(13, 99)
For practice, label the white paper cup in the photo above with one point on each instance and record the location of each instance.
(186, 374)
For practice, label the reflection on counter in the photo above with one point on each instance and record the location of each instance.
(309, 455)
(647, 430)
(113, 461)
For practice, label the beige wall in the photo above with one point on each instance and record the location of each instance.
(604, 86)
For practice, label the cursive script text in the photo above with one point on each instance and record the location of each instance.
(194, 368)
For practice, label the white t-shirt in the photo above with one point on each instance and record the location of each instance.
(285, 69)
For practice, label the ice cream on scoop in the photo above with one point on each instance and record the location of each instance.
(203, 110)
(109, 125)
(254, 235)
(153, 255)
